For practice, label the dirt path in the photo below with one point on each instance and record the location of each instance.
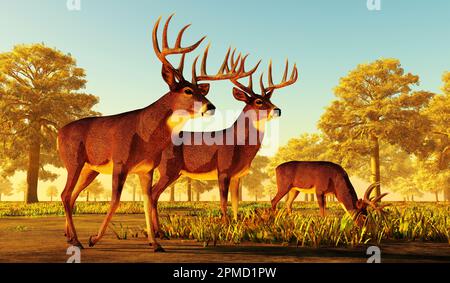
(41, 239)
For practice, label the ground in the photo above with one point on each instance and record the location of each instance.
(41, 239)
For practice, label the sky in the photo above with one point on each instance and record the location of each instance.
(111, 40)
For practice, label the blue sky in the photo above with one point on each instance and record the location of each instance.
(111, 39)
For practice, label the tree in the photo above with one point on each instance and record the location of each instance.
(52, 191)
(22, 188)
(5, 187)
(438, 137)
(375, 104)
(95, 189)
(133, 184)
(407, 187)
(254, 181)
(201, 186)
(39, 93)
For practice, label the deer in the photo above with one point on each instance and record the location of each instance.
(133, 142)
(322, 178)
(229, 157)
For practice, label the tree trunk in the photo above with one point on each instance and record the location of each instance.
(134, 193)
(436, 193)
(306, 197)
(51, 198)
(447, 193)
(0, 196)
(375, 164)
(33, 170)
(87, 196)
(256, 197)
(189, 190)
(312, 197)
(412, 197)
(197, 193)
(172, 193)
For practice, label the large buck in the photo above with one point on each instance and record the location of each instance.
(132, 142)
(224, 155)
(322, 178)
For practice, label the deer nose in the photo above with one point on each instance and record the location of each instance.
(210, 109)
(276, 112)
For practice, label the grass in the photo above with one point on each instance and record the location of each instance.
(201, 222)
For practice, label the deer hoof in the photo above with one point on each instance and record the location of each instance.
(75, 243)
(158, 249)
(92, 241)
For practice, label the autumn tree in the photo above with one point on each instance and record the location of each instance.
(133, 184)
(375, 104)
(21, 188)
(95, 189)
(438, 137)
(201, 186)
(40, 91)
(5, 187)
(52, 191)
(254, 181)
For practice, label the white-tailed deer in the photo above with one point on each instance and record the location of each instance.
(224, 155)
(322, 178)
(132, 142)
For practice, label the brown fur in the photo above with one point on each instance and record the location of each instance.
(325, 177)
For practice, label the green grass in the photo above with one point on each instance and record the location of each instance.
(304, 227)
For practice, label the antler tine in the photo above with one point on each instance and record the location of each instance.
(369, 191)
(194, 66)
(205, 56)
(270, 73)
(261, 84)
(177, 49)
(165, 45)
(293, 78)
(225, 72)
(378, 198)
(224, 66)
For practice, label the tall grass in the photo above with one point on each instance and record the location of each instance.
(304, 227)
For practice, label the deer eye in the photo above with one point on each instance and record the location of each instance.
(188, 91)
(258, 102)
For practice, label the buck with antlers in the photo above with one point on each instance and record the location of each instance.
(323, 178)
(132, 142)
(223, 155)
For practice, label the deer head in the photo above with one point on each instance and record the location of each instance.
(183, 95)
(260, 103)
(373, 202)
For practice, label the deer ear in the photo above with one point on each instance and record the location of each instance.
(169, 77)
(204, 89)
(240, 95)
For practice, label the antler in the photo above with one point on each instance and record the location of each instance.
(177, 49)
(233, 72)
(373, 202)
(269, 90)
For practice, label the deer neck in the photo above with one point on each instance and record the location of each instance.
(250, 126)
(159, 116)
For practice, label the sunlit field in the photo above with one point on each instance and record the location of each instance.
(403, 222)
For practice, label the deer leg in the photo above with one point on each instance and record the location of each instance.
(234, 188)
(146, 184)
(118, 180)
(224, 184)
(322, 202)
(72, 177)
(86, 177)
(157, 190)
(291, 197)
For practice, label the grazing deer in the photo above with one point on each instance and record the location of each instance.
(132, 142)
(227, 154)
(323, 178)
